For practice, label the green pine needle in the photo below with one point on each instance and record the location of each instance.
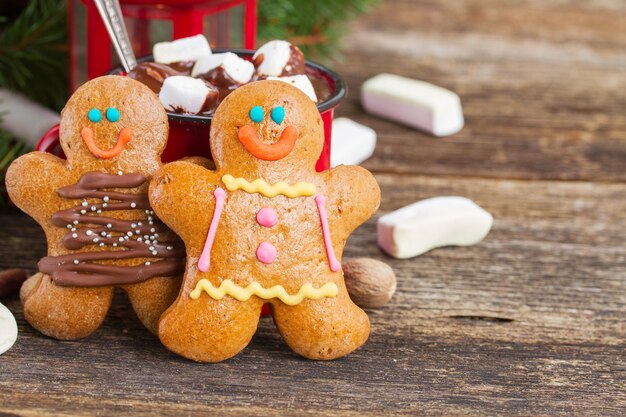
(33, 52)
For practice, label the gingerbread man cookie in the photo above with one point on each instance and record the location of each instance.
(264, 227)
(94, 209)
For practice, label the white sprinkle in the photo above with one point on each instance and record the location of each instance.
(75, 261)
(74, 235)
(150, 222)
(121, 239)
(94, 208)
(103, 234)
(147, 263)
(154, 252)
(99, 211)
(101, 244)
(140, 224)
(106, 198)
(83, 212)
(133, 204)
(156, 235)
(170, 247)
(146, 237)
(88, 232)
(125, 237)
(96, 240)
(139, 239)
(129, 233)
(114, 245)
(69, 226)
(104, 205)
(75, 221)
(119, 172)
(153, 230)
(151, 248)
(147, 242)
(137, 232)
(73, 229)
(109, 225)
(85, 203)
(133, 225)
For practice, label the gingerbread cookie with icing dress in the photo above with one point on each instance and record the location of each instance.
(94, 209)
(264, 227)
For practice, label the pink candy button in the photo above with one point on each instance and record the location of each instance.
(267, 217)
(266, 253)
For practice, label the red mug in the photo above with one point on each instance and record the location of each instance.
(189, 134)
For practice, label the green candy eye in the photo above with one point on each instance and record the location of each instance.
(278, 114)
(113, 114)
(94, 115)
(256, 114)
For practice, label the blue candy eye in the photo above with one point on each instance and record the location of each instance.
(113, 114)
(278, 114)
(94, 115)
(256, 114)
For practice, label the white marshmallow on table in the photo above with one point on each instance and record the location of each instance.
(432, 223)
(415, 103)
(183, 93)
(184, 49)
(351, 143)
(276, 55)
(301, 82)
(236, 68)
(8, 329)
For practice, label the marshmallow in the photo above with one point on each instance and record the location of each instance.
(301, 82)
(432, 223)
(352, 143)
(187, 95)
(184, 49)
(236, 68)
(415, 103)
(8, 329)
(277, 58)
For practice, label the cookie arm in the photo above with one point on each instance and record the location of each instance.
(352, 195)
(182, 196)
(32, 181)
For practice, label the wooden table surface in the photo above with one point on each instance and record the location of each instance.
(530, 321)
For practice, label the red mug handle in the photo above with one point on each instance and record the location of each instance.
(49, 142)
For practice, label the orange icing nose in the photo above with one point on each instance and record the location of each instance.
(268, 152)
(123, 138)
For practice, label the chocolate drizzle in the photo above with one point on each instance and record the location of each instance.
(130, 239)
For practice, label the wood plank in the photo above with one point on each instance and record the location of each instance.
(528, 322)
(541, 85)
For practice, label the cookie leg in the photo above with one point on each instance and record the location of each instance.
(65, 313)
(151, 298)
(208, 330)
(323, 329)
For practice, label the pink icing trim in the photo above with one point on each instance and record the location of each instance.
(205, 258)
(267, 217)
(266, 253)
(320, 200)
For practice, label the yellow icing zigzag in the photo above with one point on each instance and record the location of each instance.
(228, 287)
(301, 189)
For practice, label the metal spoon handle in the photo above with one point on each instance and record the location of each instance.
(111, 14)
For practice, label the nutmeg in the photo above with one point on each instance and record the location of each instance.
(11, 280)
(370, 283)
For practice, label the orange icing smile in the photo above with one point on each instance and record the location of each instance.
(273, 152)
(123, 138)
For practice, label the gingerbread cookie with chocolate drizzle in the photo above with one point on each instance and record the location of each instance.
(264, 227)
(94, 209)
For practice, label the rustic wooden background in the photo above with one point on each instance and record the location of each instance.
(530, 321)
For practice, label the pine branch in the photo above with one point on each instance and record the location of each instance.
(315, 26)
(33, 52)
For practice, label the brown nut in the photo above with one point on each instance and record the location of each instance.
(370, 283)
(11, 280)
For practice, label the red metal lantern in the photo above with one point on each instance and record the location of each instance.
(151, 21)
